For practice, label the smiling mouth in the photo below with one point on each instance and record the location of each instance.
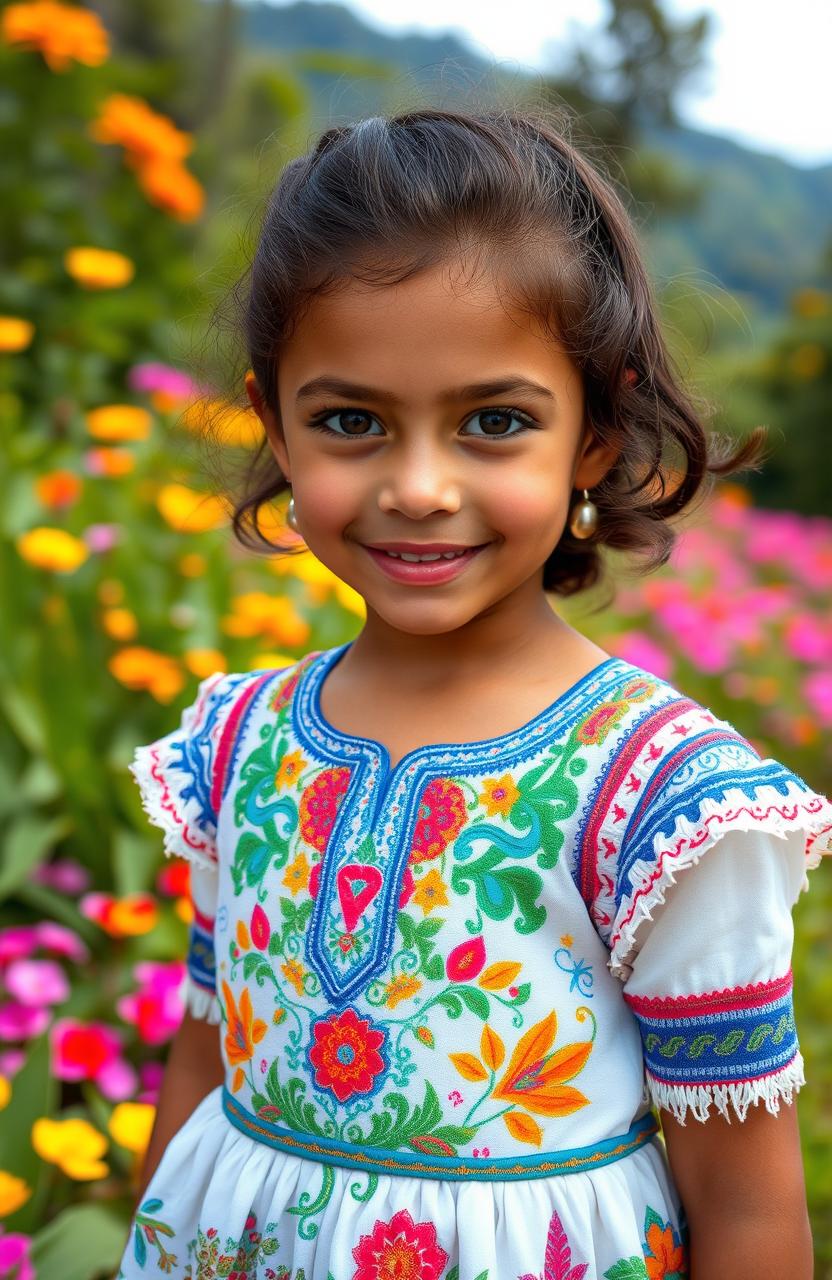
(426, 555)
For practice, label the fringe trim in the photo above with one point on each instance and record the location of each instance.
(201, 1003)
(149, 767)
(817, 826)
(682, 1100)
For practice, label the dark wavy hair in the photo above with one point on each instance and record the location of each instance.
(388, 196)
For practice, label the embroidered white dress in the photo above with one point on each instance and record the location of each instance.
(448, 993)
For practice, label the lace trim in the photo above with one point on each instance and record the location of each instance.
(697, 1100)
(708, 1002)
(200, 1002)
(808, 812)
(148, 767)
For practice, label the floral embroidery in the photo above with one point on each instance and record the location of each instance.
(400, 1249)
(319, 805)
(345, 1054)
(297, 874)
(663, 1254)
(498, 795)
(557, 1264)
(240, 1258)
(260, 929)
(147, 1228)
(466, 961)
(441, 817)
(291, 766)
(244, 1030)
(431, 891)
(402, 987)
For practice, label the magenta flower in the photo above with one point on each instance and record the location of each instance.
(91, 1051)
(157, 1007)
(62, 941)
(15, 1263)
(11, 1060)
(151, 1075)
(37, 982)
(643, 651)
(817, 688)
(102, 537)
(18, 941)
(22, 1021)
(154, 376)
(64, 874)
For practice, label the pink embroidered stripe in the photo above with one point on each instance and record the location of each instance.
(228, 738)
(698, 1006)
(204, 922)
(618, 771)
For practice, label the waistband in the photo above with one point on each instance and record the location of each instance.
(401, 1162)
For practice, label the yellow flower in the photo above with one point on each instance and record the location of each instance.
(170, 186)
(130, 1125)
(119, 422)
(499, 795)
(73, 1145)
(260, 661)
(291, 765)
(98, 268)
(566, 939)
(297, 874)
(184, 909)
(204, 662)
(145, 134)
(229, 424)
(350, 599)
(60, 32)
(256, 613)
(15, 334)
(5, 1091)
(188, 511)
(402, 987)
(294, 971)
(14, 1192)
(53, 549)
(120, 624)
(140, 668)
(430, 891)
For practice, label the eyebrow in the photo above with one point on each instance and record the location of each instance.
(330, 385)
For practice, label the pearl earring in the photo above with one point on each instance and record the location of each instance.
(583, 520)
(291, 518)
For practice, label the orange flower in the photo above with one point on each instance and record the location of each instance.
(668, 1257)
(228, 424)
(204, 662)
(58, 488)
(536, 1081)
(140, 668)
(60, 32)
(145, 134)
(109, 462)
(172, 188)
(120, 624)
(53, 549)
(15, 333)
(98, 268)
(119, 422)
(244, 1030)
(256, 613)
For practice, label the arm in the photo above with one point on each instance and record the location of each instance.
(194, 1067)
(743, 1192)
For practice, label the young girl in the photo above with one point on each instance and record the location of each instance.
(471, 895)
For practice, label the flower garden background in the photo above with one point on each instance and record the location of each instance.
(120, 587)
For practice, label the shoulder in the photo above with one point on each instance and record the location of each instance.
(675, 778)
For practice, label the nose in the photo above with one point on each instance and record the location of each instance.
(420, 481)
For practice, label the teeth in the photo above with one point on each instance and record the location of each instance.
(433, 555)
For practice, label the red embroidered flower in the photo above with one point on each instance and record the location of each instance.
(440, 818)
(596, 727)
(408, 885)
(346, 1055)
(466, 960)
(400, 1248)
(260, 928)
(319, 805)
(314, 880)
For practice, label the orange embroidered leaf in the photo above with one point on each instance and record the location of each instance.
(523, 1128)
(557, 1100)
(499, 975)
(258, 1030)
(492, 1048)
(565, 1064)
(239, 1077)
(242, 935)
(530, 1049)
(468, 1066)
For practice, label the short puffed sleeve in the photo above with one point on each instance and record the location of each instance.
(703, 851)
(180, 781)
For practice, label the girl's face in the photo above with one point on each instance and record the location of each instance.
(427, 418)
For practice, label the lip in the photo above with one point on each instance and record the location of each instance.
(432, 572)
(420, 548)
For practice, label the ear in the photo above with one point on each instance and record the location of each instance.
(273, 429)
(594, 460)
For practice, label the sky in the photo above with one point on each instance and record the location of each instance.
(768, 86)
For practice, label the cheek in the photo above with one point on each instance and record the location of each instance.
(527, 508)
(328, 497)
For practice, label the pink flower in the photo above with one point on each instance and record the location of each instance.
(91, 1051)
(15, 1263)
(808, 639)
(18, 941)
(640, 649)
(11, 1060)
(153, 376)
(37, 982)
(817, 688)
(62, 941)
(101, 537)
(151, 1075)
(64, 874)
(22, 1021)
(157, 1007)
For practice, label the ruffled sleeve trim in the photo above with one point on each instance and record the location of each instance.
(697, 1100)
(165, 808)
(201, 1002)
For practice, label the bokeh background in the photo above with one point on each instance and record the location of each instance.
(138, 139)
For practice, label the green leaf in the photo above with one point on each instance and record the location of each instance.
(627, 1269)
(476, 1000)
(34, 1094)
(28, 842)
(84, 1242)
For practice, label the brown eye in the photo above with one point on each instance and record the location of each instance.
(348, 422)
(494, 421)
